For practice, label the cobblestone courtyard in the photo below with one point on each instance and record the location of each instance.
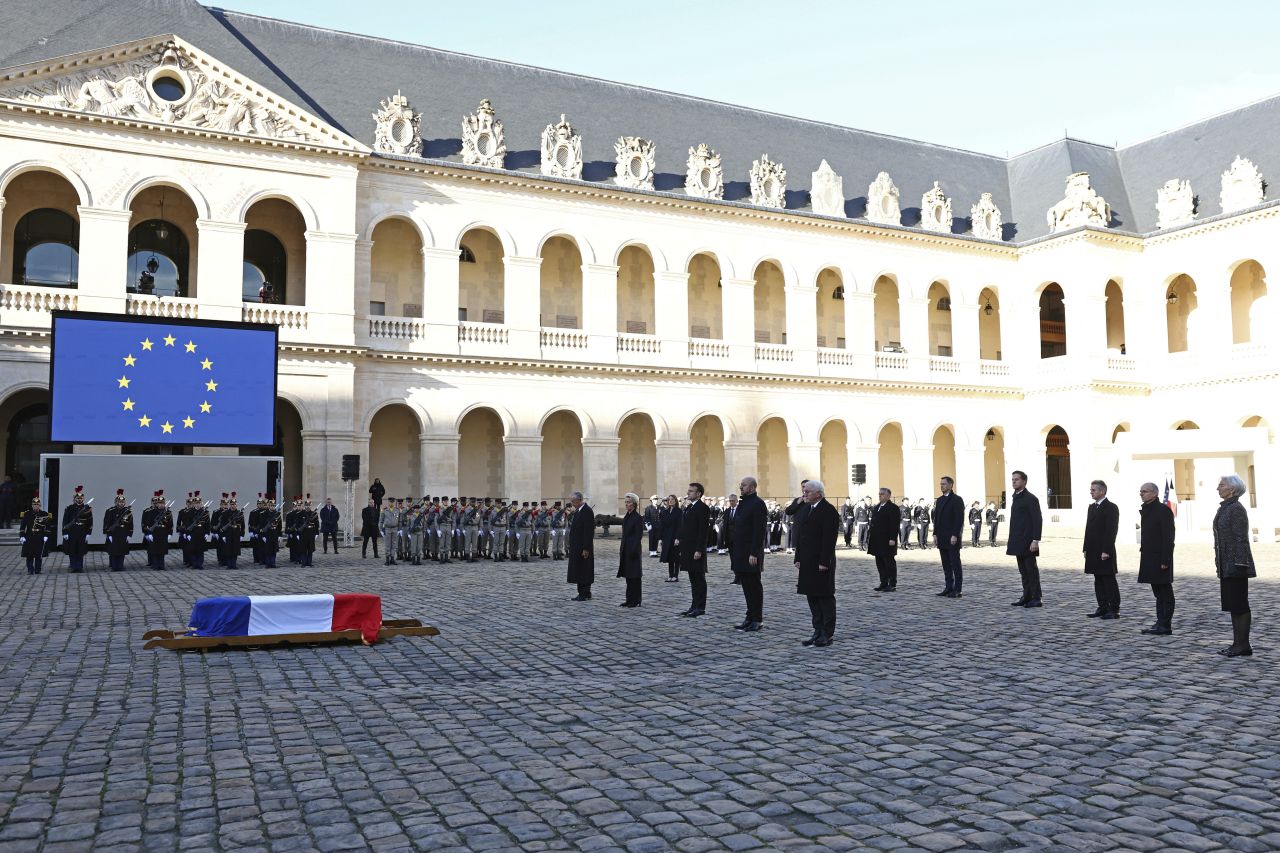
(537, 723)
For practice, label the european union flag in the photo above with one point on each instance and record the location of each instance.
(117, 380)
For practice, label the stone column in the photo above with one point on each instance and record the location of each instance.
(869, 455)
(1020, 329)
(438, 461)
(523, 465)
(860, 329)
(971, 474)
(220, 259)
(673, 466)
(739, 462)
(965, 341)
(914, 329)
(802, 326)
(806, 463)
(1086, 310)
(739, 319)
(600, 311)
(313, 455)
(331, 263)
(917, 471)
(671, 315)
(600, 474)
(522, 300)
(104, 259)
(440, 302)
(363, 279)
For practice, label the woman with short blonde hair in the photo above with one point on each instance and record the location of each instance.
(630, 562)
(1234, 561)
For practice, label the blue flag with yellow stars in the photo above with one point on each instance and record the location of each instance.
(128, 381)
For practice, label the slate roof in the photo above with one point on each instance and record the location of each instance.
(342, 77)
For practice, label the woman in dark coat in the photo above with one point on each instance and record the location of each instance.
(670, 517)
(1234, 560)
(630, 565)
(1155, 560)
(581, 547)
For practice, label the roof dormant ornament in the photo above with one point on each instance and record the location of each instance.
(882, 201)
(1081, 206)
(986, 219)
(483, 142)
(635, 162)
(935, 210)
(826, 191)
(561, 151)
(1175, 204)
(1242, 186)
(768, 183)
(704, 177)
(397, 126)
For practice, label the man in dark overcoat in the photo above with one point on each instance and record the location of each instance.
(746, 551)
(816, 525)
(1155, 563)
(882, 540)
(582, 548)
(948, 527)
(1025, 526)
(1100, 529)
(691, 545)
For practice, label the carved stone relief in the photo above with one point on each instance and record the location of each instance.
(1242, 186)
(1081, 206)
(483, 141)
(397, 128)
(768, 183)
(826, 193)
(935, 210)
(882, 201)
(704, 177)
(561, 151)
(635, 162)
(1175, 204)
(986, 219)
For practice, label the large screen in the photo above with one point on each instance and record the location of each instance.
(128, 380)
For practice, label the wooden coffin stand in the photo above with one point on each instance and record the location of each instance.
(186, 640)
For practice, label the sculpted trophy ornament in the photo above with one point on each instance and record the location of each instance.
(561, 151)
(635, 162)
(483, 142)
(1175, 204)
(768, 183)
(935, 210)
(1242, 185)
(1081, 206)
(704, 176)
(986, 219)
(826, 193)
(397, 126)
(882, 201)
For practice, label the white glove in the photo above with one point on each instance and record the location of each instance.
(22, 540)
(208, 538)
(148, 537)
(66, 537)
(46, 538)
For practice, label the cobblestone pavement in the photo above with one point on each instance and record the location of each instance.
(537, 723)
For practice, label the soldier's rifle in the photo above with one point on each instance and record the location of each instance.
(79, 515)
(127, 515)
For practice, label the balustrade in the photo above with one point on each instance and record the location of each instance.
(891, 361)
(284, 316)
(25, 305)
(483, 333)
(563, 339)
(639, 343)
(774, 352)
(175, 307)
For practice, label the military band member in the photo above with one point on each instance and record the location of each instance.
(862, 518)
(652, 524)
(157, 525)
(848, 520)
(389, 522)
(471, 529)
(499, 550)
(257, 517)
(559, 523)
(117, 525)
(269, 535)
(485, 536)
(513, 532)
(542, 527)
(307, 532)
(431, 530)
(77, 524)
(230, 529)
(33, 533)
(458, 537)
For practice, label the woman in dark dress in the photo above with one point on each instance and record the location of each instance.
(630, 565)
(670, 518)
(1234, 559)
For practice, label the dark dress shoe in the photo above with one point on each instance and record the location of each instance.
(1109, 616)
(697, 611)
(822, 642)
(1035, 603)
(752, 626)
(686, 612)
(1158, 631)
(956, 594)
(946, 593)
(1096, 614)
(810, 641)
(742, 626)
(625, 604)
(893, 588)
(880, 588)
(1021, 602)
(577, 598)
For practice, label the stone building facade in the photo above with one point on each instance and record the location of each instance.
(476, 320)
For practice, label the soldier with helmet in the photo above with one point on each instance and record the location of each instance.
(308, 529)
(117, 525)
(257, 518)
(230, 529)
(77, 524)
(157, 524)
(269, 535)
(33, 532)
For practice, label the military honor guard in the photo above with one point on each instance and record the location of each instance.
(485, 536)
(269, 534)
(230, 530)
(652, 524)
(882, 540)
(157, 526)
(559, 523)
(500, 520)
(582, 561)
(816, 524)
(215, 530)
(417, 520)
(471, 529)
(389, 524)
(922, 515)
(992, 518)
(513, 531)
(1025, 526)
(691, 546)
(307, 532)
(256, 519)
(975, 524)
(1101, 526)
(329, 517)
(1155, 560)
(77, 524)
(117, 526)
(34, 531)
(948, 529)
(862, 518)
(847, 520)
(193, 531)
(524, 529)
(906, 523)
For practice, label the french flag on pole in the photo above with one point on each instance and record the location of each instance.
(266, 615)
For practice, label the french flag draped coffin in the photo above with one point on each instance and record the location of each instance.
(264, 615)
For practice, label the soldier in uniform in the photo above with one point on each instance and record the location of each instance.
(307, 532)
(975, 524)
(257, 518)
(77, 524)
(777, 526)
(184, 519)
(117, 524)
(923, 517)
(457, 536)
(34, 531)
(390, 524)
(513, 532)
(499, 548)
(714, 508)
(862, 517)
(652, 524)
(157, 524)
(992, 517)
(193, 531)
(292, 522)
(231, 528)
(431, 529)
(486, 528)
(215, 530)
(905, 524)
(524, 530)
(542, 528)
(269, 535)
(559, 522)
(470, 529)
(417, 526)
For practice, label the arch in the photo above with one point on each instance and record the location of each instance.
(637, 287)
(993, 467)
(397, 276)
(1181, 302)
(1121, 427)
(833, 459)
(725, 265)
(851, 427)
(70, 175)
(182, 184)
(1184, 424)
(655, 253)
(829, 292)
(424, 418)
(482, 277)
(727, 426)
(561, 285)
(990, 345)
(303, 206)
(581, 243)
(908, 433)
(940, 325)
(1053, 320)
(1113, 294)
(305, 414)
(638, 438)
(790, 278)
(1057, 447)
(944, 452)
(395, 448)
(562, 431)
(659, 424)
(287, 428)
(504, 415)
(584, 419)
(1248, 286)
(1253, 421)
(46, 248)
(482, 452)
(504, 236)
(704, 297)
(707, 435)
(887, 313)
(891, 437)
(773, 457)
(424, 231)
(794, 432)
(769, 296)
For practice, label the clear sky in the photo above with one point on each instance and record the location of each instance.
(987, 76)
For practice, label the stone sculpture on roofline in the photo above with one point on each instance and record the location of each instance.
(826, 194)
(882, 201)
(935, 210)
(1081, 206)
(561, 151)
(483, 140)
(704, 176)
(768, 183)
(1242, 186)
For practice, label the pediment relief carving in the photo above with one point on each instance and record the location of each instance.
(826, 193)
(561, 151)
(1175, 204)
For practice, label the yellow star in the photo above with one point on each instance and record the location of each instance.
(128, 405)
(211, 385)
(188, 422)
(191, 347)
(166, 427)
(206, 407)
(144, 421)
(206, 364)
(124, 382)
(129, 361)
(146, 345)
(168, 340)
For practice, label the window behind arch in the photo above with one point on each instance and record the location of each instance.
(159, 259)
(46, 249)
(265, 264)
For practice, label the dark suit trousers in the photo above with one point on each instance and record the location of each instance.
(952, 572)
(654, 535)
(698, 586)
(1107, 590)
(977, 534)
(364, 546)
(324, 541)
(887, 566)
(584, 589)
(633, 591)
(823, 610)
(1030, 571)
(1164, 603)
(753, 592)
